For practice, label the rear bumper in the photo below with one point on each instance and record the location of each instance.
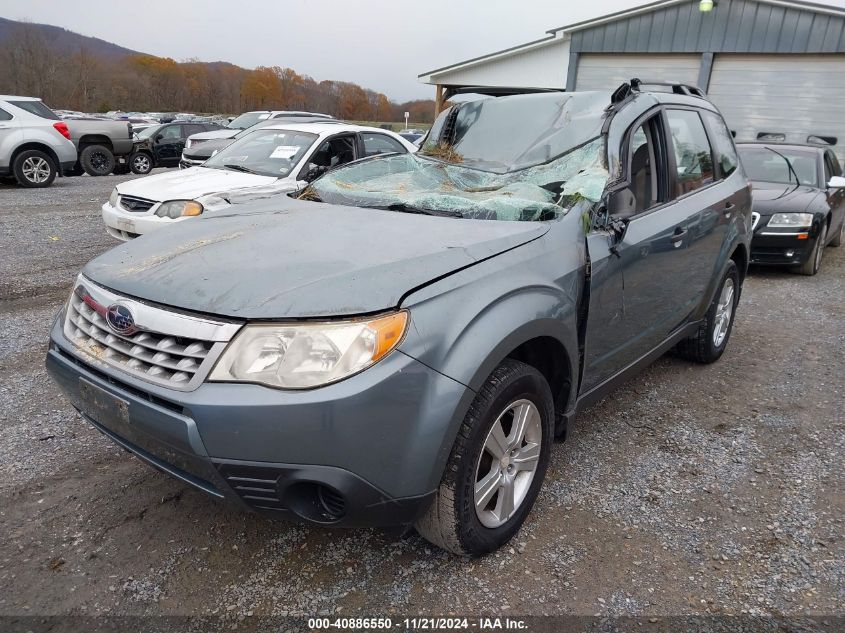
(364, 455)
(781, 250)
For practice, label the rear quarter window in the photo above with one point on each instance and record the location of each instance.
(37, 108)
(4, 116)
(723, 144)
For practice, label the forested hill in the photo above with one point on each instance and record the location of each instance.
(76, 72)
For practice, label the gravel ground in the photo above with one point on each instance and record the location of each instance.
(691, 490)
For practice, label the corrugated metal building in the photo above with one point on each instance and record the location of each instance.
(775, 68)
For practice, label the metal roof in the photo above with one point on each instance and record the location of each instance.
(660, 4)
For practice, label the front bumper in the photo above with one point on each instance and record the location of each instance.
(367, 451)
(785, 248)
(125, 225)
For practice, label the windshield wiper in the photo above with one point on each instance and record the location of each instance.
(407, 208)
(246, 170)
(789, 164)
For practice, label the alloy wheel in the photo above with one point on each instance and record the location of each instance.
(507, 463)
(724, 310)
(141, 163)
(36, 169)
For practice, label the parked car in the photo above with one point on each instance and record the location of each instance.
(799, 203)
(399, 344)
(197, 151)
(244, 122)
(162, 145)
(35, 144)
(103, 145)
(266, 161)
(411, 137)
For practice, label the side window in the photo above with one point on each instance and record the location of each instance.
(828, 169)
(5, 116)
(381, 144)
(831, 166)
(171, 132)
(647, 165)
(693, 156)
(194, 128)
(723, 143)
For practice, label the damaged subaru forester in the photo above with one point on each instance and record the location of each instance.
(399, 343)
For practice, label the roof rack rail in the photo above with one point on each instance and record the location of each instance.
(677, 87)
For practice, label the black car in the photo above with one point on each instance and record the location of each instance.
(799, 203)
(162, 145)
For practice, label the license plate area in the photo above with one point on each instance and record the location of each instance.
(103, 407)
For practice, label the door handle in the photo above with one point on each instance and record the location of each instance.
(729, 206)
(679, 235)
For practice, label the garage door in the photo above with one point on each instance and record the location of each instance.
(793, 95)
(608, 72)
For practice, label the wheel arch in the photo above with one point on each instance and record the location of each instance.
(95, 139)
(41, 147)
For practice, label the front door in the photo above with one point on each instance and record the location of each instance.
(169, 144)
(640, 282)
(835, 197)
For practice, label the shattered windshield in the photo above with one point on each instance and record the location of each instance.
(418, 184)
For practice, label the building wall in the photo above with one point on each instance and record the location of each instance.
(541, 67)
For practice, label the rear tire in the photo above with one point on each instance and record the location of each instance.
(814, 261)
(483, 500)
(97, 160)
(711, 339)
(34, 169)
(141, 163)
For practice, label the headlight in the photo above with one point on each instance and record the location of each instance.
(787, 220)
(305, 355)
(179, 208)
(113, 197)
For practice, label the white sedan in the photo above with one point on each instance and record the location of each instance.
(271, 160)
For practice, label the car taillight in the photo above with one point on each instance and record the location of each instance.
(61, 128)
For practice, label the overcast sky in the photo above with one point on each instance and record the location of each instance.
(378, 44)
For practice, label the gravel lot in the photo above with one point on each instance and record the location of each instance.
(691, 490)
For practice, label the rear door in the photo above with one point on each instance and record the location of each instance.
(9, 136)
(640, 284)
(703, 185)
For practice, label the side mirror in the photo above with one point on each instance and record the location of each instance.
(622, 204)
(314, 172)
(159, 137)
(836, 182)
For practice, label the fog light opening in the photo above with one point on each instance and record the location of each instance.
(316, 502)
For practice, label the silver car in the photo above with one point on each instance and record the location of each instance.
(35, 144)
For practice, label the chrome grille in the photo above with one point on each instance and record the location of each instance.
(174, 357)
(132, 203)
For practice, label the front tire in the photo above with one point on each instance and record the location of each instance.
(814, 261)
(141, 163)
(709, 342)
(34, 169)
(97, 160)
(497, 464)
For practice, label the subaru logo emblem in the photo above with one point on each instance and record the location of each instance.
(120, 319)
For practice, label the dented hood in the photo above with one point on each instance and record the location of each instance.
(190, 184)
(286, 258)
